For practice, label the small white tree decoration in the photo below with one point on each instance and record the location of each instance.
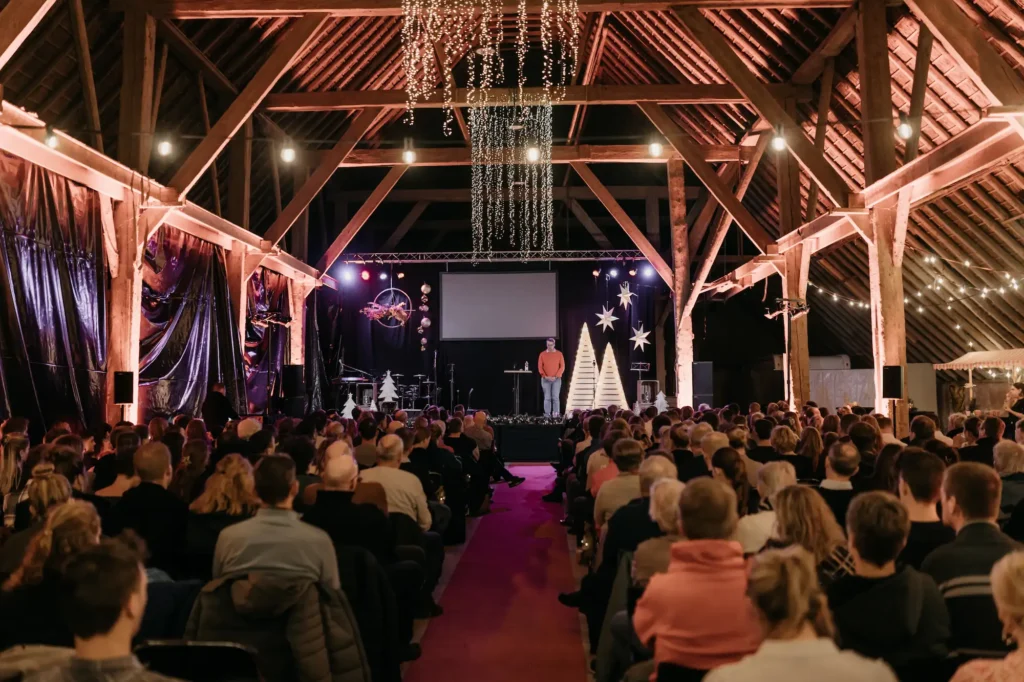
(609, 383)
(661, 402)
(388, 391)
(349, 408)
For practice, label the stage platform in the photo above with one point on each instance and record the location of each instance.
(528, 442)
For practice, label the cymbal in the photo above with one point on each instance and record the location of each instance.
(419, 376)
(398, 375)
(428, 381)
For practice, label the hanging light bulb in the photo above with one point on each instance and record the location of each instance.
(970, 344)
(939, 280)
(906, 301)
(778, 141)
(904, 129)
(408, 152)
(962, 290)
(920, 309)
(655, 149)
(967, 263)
(51, 138)
(957, 326)
(164, 148)
(288, 152)
(532, 154)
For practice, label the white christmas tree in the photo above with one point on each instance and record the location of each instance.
(388, 391)
(349, 408)
(609, 389)
(584, 375)
(661, 402)
(373, 406)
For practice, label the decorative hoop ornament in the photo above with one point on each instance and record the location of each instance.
(393, 299)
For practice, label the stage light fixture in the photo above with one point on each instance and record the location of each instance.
(647, 271)
(408, 152)
(288, 153)
(532, 154)
(383, 275)
(614, 272)
(778, 142)
(632, 272)
(401, 275)
(655, 149)
(347, 275)
(596, 272)
(164, 148)
(51, 138)
(904, 129)
(365, 275)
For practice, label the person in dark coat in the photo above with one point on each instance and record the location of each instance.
(884, 611)
(217, 409)
(156, 515)
(983, 450)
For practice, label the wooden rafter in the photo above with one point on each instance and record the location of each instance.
(841, 35)
(81, 35)
(280, 60)
(585, 153)
(357, 221)
(625, 222)
(240, 9)
(918, 90)
(686, 147)
(329, 163)
(729, 173)
(820, 130)
(576, 95)
(17, 21)
(719, 49)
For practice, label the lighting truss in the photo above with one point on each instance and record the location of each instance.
(492, 257)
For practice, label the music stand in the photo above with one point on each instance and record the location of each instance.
(517, 374)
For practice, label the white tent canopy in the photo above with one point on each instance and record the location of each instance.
(981, 359)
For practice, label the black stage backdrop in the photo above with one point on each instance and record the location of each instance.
(265, 344)
(479, 365)
(53, 296)
(189, 336)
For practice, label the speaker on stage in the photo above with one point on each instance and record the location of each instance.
(293, 381)
(124, 384)
(892, 382)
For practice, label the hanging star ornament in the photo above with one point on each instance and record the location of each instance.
(625, 295)
(639, 338)
(606, 318)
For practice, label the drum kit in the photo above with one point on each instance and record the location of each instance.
(416, 394)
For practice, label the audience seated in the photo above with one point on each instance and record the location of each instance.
(888, 611)
(155, 514)
(228, 498)
(728, 467)
(755, 530)
(1009, 464)
(697, 615)
(628, 455)
(1007, 581)
(45, 490)
(762, 450)
(653, 556)
(404, 491)
(841, 465)
(275, 541)
(784, 442)
(802, 518)
(983, 450)
(920, 480)
(799, 634)
(962, 569)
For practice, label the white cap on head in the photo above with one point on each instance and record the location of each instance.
(248, 427)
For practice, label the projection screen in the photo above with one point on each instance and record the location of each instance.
(498, 305)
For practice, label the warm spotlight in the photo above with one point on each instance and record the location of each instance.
(778, 142)
(365, 275)
(532, 154)
(401, 275)
(288, 153)
(655, 149)
(409, 157)
(596, 272)
(632, 272)
(164, 148)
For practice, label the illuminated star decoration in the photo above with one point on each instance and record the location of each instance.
(625, 295)
(606, 318)
(639, 338)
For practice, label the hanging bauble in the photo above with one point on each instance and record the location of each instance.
(424, 308)
(424, 298)
(420, 330)
(425, 288)
(423, 341)
(422, 348)
(425, 323)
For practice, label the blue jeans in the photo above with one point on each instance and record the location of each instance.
(552, 392)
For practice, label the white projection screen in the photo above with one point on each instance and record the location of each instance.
(498, 305)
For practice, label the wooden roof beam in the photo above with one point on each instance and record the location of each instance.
(242, 9)
(17, 21)
(838, 38)
(584, 153)
(690, 93)
(277, 64)
(357, 221)
(719, 49)
(625, 222)
(464, 194)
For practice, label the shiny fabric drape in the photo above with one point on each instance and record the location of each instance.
(316, 372)
(189, 336)
(53, 298)
(266, 343)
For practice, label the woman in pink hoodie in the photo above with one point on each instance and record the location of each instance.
(698, 613)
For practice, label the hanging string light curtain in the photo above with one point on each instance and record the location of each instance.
(512, 178)
(437, 34)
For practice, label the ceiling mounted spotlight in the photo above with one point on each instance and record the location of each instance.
(647, 271)
(596, 272)
(408, 152)
(401, 275)
(288, 153)
(365, 275)
(614, 272)
(632, 272)
(51, 138)
(347, 275)
(383, 275)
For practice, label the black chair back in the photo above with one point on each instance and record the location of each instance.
(200, 661)
(670, 672)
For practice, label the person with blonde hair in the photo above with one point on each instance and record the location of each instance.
(33, 590)
(754, 530)
(794, 613)
(803, 518)
(15, 448)
(1008, 593)
(1008, 458)
(653, 556)
(784, 442)
(194, 458)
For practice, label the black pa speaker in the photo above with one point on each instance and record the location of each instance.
(293, 381)
(892, 382)
(124, 385)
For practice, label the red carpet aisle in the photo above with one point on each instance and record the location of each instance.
(502, 620)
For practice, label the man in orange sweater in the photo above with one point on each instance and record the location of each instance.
(551, 365)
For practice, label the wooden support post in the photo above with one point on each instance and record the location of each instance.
(238, 289)
(297, 294)
(92, 108)
(214, 176)
(919, 89)
(681, 282)
(796, 270)
(300, 230)
(17, 21)
(820, 130)
(240, 177)
(888, 324)
(135, 133)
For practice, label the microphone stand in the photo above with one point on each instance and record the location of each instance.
(451, 388)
